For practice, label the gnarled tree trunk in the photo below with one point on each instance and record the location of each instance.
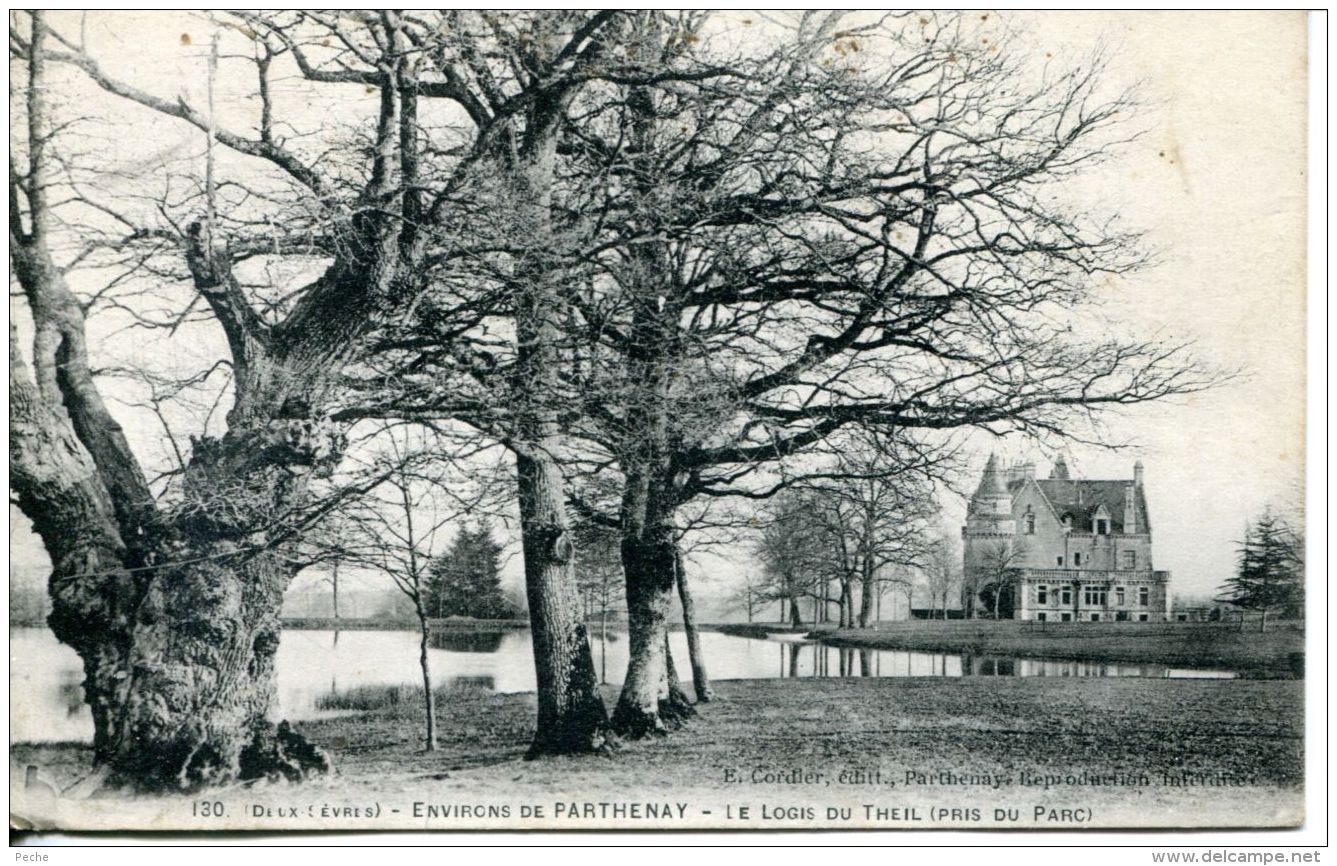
(648, 562)
(571, 713)
(189, 702)
(700, 681)
(178, 630)
(174, 610)
(674, 705)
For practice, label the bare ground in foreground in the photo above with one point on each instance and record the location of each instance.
(930, 744)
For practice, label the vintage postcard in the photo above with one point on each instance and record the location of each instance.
(657, 420)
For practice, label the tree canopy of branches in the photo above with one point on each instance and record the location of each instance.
(360, 216)
(658, 264)
(870, 511)
(854, 228)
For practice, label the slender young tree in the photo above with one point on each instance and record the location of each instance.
(599, 565)
(994, 575)
(749, 594)
(700, 678)
(941, 568)
(398, 530)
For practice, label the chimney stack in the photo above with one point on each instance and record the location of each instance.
(1137, 473)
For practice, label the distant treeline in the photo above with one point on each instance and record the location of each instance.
(390, 623)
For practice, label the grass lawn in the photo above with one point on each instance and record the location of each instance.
(1278, 652)
(911, 746)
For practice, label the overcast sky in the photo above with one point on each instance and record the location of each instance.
(1217, 183)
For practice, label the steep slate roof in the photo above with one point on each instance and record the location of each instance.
(1081, 498)
(991, 481)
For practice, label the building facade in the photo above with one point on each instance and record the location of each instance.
(1061, 549)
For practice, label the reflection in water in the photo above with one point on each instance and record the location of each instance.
(467, 642)
(72, 692)
(48, 703)
(989, 667)
(819, 660)
(487, 684)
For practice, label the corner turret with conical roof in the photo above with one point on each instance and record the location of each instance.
(989, 531)
(991, 507)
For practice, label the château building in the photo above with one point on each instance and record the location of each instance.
(1061, 549)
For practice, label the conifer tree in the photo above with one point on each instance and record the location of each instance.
(1269, 573)
(467, 580)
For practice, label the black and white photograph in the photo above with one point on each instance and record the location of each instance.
(655, 420)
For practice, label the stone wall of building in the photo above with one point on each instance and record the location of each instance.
(1067, 595)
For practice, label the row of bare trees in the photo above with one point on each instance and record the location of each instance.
(851, 529)
(846, 539)
(665, 261)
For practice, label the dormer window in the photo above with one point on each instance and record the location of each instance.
(1101, 521)
(1067, 523)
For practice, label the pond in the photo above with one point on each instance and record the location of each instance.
(46, 701)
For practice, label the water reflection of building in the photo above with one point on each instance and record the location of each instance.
(1062, 549)
(816, 659)
(1070, 668)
